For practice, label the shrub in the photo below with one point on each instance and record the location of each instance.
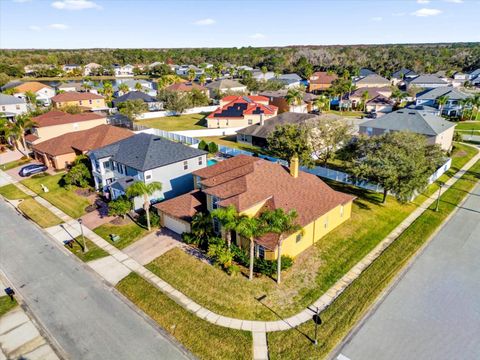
(212, 148)
(154, 219)
(220, 254)
(119, 207)
(202, 145)
(262, 266)
(79, 175)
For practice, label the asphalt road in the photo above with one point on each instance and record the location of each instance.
(433, 312)
(85, 317)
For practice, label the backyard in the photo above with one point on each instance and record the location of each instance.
(176, 123)
(231, 141)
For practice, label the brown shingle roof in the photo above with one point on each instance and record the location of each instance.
(76, 96)
(83, 141)
(185, 87)
(184, 206)
(322, 77)
(56, 117)
(32, 86)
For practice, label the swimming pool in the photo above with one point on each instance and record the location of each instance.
(211, 162)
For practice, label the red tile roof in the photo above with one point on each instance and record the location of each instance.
(322, 77)
(31, 137)
(76, 96)
(231, 98)
(243, 105)
(184, 206)
(56, 117)
(83, 141)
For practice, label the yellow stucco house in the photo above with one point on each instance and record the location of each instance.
(253, 185)
(85, 100)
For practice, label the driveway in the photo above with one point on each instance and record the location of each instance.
(14, 172)
(433, 312)
(153, 245)
(9, 156)
(78, 309)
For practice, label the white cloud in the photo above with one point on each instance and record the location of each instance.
(427, 12)
(257, 36)
(204, 22)
(35, 28)
(376, 18)
(75, 5)
(58, 26)
(423, 1)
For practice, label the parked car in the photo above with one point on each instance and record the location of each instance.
(372, 115)
(32, 169)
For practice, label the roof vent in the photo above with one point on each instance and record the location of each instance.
(157, 139)
(129, 181)
(411, 113)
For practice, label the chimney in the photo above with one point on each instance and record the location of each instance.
(262, 121)
(294, 164)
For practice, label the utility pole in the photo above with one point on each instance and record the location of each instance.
(83, 237)
(438, 197)
(316, 318)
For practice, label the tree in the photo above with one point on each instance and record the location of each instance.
(22, 123)
(326, 135)
(290, 140)
(107, 91)
(228, 219)
(132, 108)
(202, 79)
(212, 148)
(322, 102)
(249, 228)
(264, 71)
(340, 87)
(441, 101)
(4, 79)
(191, 75)
(9, 133)
(31, 97)
(139, 188)
(282, 223)
(123, 88)
(71, 109)
(119, 207)
(475, 102)
(397, 95)
(138, 86)
(174, 101)
(365, 97)
(201, 230)
(78, 175)
(202, 145)
(294, 96)
(401, 162)
(198, 98)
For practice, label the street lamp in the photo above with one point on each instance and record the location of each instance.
(83, 237)
(438, 197)
(316, 319)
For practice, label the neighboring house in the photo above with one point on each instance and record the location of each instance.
(459, 79)
(71, 67)
(241, 111)
(372, 80)
(87, 69)
(61, 151)
(147, 158)
(399, 76)
(380, 104)
(257, 134)
(365, 72)
(71, 86)
(219, 87)
(356, 96)
(147, 86)
(183, 70)
(474, 74)
(321, 80)
(152, 103)
(185, 87)
(11, 106)
(155, 64)
(252, 185)
(278, 99)
(260, 76)
(33, 69)
(123, 71)
(427, 81)
(43, 92)
(55, 123)
(290, 80)
(453, 106)
(434, 128)
(86, 100)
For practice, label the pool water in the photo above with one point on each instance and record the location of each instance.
(211, 162)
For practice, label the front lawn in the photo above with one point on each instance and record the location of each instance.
(6, 304)
(38, 213)
(11, 192)
(68, 201)
(93, 253)
(231, 141)
(468, 126)
(128, 233)
(176, 123)
(14, 164)
(312, 273)
(339, 318)
(205, 340)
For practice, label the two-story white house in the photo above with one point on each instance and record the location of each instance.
(10, 106)
(123, 71)
(454, 97)
(147, 158)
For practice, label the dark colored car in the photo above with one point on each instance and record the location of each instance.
(32, 169)
(372, 115)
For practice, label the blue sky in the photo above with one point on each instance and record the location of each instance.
(138, 24)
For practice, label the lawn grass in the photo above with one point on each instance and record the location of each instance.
(14, 164)
(6, 304)
(38, 213)
(205, 340)
(93, 253)
(11, 192)
(339, 318)
(176, 123)
(68, 201)
(314, 271)
(352, 113)
(468, 126)
(128, 233)
(231, 141)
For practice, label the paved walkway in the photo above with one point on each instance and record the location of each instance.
(119, 258)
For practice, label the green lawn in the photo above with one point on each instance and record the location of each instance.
(66, 200)
(313, 272)
(205, 340)
(231, 141)
(93, 253)
(468, 126)
(14, 164)
(11, 192)
(128, 233)
(339, 318)
(6, 304)
(38, 213)
(346, 113)
(176, 123)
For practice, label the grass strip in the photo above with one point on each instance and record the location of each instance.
(11, 192)
(93, 253)
(38, 213)
(6, 304)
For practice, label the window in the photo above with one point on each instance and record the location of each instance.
(198, 182)
(369, 131)
(260, 251)
(214, 202)
(299, 238)
(250, 122)
(200, 160)
(90, 102)
(185, 165)
(114, 165)
(325, 224)
(216, 226)
(106, 164)
(148, 177)
(3, 108)
(341, 211)
(80, 102)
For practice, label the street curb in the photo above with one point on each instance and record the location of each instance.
(393, 284)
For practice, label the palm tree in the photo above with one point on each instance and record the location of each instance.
(139, 188)
(22, 123)
(31, 97)
(123, 88)
(202, 229)
(202, 79)
(294, 96)
(365, 97)
(138, 86)
(441, 101)
(464, 103)
(264, 71)
(249, 228)
(228, 218)
(280, 222)
(9, 133)
(322, 102)
(191, 75)
(107, 91)
(475, 101)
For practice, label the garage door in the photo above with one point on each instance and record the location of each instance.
(175, 225)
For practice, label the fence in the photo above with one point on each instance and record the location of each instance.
(195, 110)
(233, 152)
(209, 132)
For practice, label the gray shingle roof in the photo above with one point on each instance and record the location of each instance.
(372, 79)
(145, 152)
(403, 72)
(427, 79)
(420, 122)
(134, 95)
(9, 100)
(451, 92)
(224, 84)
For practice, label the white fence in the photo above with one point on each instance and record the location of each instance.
(209, 132)
(195, 110)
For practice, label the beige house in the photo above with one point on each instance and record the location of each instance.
(241, 111)
(55, 123)
(84, 99)
(372, 80)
